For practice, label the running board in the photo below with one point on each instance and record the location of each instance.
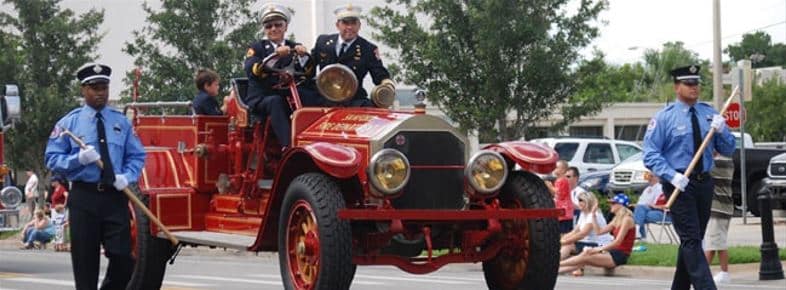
(221, 240)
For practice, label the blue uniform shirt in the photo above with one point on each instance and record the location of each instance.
(668, 144)
(125, 149)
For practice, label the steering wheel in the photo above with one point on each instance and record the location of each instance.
(286, 72)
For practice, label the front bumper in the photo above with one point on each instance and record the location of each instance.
(776, 187)
(446, 215)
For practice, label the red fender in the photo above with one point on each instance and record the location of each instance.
(530, 156)
(336, 160)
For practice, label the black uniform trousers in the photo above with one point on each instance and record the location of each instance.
(99, 218)
(277, 108)
(690, 214)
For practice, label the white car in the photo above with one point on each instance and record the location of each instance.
(628, 175)
(591, 154)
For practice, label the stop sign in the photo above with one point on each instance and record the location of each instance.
(733, 115)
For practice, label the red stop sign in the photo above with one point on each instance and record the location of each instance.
(733, 115)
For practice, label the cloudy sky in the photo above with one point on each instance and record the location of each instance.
(630, 25)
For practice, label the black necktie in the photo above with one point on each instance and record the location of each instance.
(108, 173)
(694, 121)
(343, 49)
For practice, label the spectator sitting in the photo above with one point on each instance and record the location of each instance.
(60, 222)
(584, 233)
(205, 102)
(37, 230)
(649, 208)
(612, 254)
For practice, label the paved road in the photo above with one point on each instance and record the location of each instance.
(228, 271)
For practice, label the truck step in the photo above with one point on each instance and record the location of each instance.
(221, 240)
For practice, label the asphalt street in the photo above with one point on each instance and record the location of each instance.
(216, 269)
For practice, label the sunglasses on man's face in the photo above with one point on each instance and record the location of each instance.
(274, 24)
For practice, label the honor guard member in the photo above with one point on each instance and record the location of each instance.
(98, 209)
(348, 48)
(264, 100)
(672, 138)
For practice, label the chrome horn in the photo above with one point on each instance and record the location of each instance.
(384, 94)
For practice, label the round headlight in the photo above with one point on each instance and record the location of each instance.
(486, 171)
(337, 83)
(388, 171)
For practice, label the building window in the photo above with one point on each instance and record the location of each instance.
(586, 131)
(630, 132)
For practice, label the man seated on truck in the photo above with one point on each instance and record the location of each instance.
(262, 98)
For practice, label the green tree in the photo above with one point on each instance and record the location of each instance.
(758, 47)
(46, 45)
(184, 36)
(483, 61)
(766, 121)
(658, 65)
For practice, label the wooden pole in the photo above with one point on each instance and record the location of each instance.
(131, 196)
(703, 146)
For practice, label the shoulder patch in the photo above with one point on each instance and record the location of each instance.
(56, 131)
(653, 123)
(250, 52)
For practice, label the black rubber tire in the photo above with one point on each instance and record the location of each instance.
(542, 262)
(323, 195)
(152, 253)
(753, 198)
(400, 246)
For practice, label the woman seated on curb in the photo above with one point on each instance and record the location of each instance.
(37, 230)
(584, 234)
(612, 254)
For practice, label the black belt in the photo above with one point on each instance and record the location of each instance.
(698, 176)
(92, 186)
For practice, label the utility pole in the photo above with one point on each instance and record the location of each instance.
(717, 65)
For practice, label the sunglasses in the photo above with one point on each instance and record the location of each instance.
(278, 24)
(581, 200)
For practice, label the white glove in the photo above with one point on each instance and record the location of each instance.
(88, 155)
(718, 122)
(680, 181)
(120, 182)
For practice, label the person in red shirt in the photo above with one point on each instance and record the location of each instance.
(59, 192)
(561, 192)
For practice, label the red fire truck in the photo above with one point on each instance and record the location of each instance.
(10, 196)
(358, 186)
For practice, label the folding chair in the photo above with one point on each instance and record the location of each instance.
(665, 226)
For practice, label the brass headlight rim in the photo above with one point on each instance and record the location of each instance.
(468, 172)
(378, 188)
(344, 70)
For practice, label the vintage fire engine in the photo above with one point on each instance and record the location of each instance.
(10, 196)
(358, 186)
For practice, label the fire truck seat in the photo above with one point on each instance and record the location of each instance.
(240, 85)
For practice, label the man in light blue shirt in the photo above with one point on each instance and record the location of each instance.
(98, 209)
(673, 136)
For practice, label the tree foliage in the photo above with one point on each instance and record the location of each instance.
(758, 48)
(766, 120)
(184, 36)
(483, 60)
(45, 46)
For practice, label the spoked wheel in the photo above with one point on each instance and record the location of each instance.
(303, 245)
(316, 246)
(530, 260)
(150, 252)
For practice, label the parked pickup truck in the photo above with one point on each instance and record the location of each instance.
(757, 161)
(775, 183)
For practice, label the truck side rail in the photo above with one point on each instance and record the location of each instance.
(161, 106)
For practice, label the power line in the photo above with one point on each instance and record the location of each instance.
(738, 34)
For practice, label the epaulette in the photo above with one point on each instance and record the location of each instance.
(669, 106)
(73, 112)
(114, 109)
(705, 104)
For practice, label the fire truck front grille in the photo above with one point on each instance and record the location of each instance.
(437, 161)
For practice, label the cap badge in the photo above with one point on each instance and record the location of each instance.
(97, 69)
(692, 69)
